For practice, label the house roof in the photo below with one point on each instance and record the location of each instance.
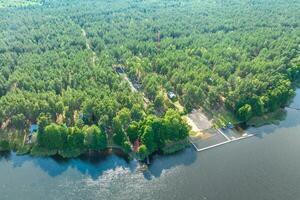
(171, 94)
(33, 128)
(136, 146)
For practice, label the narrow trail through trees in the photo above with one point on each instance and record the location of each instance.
(89, 46)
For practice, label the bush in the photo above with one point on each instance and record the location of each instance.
(126, 147)
(4, 145)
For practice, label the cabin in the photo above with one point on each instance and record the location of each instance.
(33, 129)
(171, 95)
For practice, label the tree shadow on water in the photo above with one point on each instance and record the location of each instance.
(93, 165)
(5, 155)
(96, 164)
(53, 166)
(159, 163)
(287, 119)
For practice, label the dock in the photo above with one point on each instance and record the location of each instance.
(227, 140)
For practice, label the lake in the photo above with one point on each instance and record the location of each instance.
(264, 167)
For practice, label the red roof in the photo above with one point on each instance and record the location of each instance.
(136, 146)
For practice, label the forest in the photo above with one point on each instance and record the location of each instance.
(58, 60)
(18, 3)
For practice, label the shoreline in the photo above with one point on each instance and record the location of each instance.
(33, 151)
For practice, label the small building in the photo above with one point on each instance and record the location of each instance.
(33, 129)
(171, 95)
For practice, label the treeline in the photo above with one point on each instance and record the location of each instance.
(67, 141)
(239, 55)
(50, 70)
(152, 134)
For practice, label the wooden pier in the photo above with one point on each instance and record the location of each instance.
(228, 140)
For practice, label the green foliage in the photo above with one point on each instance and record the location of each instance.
(19, 121)
(133, 131)
(54, 137)
(159, 104)
(94, 138)
(245, 112)
(137, 113)
(176, 129)
(148, 138)
(43, 121)
(155, 132)
(75, 138)
(143, 152)
(123, 118)
(119, 137)
(57, 58)
(69, 142)
(126, 146)
(173, 147)
(4, 145)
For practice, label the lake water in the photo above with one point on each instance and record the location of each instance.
(264, 167)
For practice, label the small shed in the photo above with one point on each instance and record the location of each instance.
(171, 95)
(33, 128)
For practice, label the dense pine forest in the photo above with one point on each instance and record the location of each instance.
(58, 61)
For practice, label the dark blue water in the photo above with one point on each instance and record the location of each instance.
(265, 167)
